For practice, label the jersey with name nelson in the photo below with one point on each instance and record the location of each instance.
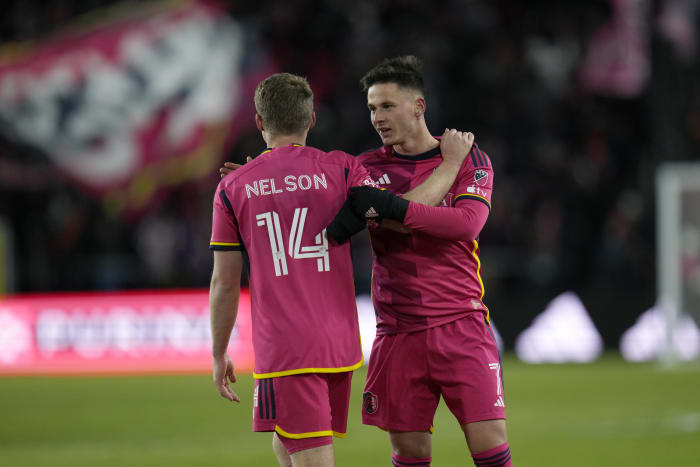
(302, 294)
(448, 283)
(268, 186)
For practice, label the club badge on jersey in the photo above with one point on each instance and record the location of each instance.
(370, 402)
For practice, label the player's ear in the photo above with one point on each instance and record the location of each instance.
(259, 122)
(419, 106)
(312, 123)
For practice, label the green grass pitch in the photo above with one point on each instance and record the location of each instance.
(605, 414)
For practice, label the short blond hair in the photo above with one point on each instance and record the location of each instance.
(285, 102)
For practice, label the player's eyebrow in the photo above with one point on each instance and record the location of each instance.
(381, 104)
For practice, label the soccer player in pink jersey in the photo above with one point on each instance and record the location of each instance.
(433, 332)
(305, 329)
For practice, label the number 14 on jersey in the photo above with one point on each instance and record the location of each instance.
(295, 249)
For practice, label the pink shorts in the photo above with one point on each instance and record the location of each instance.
(409, 372)
(299, 407)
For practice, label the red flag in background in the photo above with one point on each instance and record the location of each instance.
(128, 103)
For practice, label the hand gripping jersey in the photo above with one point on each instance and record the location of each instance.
(301, 285)
(420, 281)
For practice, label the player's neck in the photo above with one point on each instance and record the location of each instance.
(278, 141)
(416, 144)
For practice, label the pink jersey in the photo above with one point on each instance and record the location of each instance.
(420, 281)
(301, 285)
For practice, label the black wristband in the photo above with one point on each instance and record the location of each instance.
(399, 207)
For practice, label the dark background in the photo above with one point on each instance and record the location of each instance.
(573, 205)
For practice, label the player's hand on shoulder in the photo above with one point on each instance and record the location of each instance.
(455, 145)
(231, 166)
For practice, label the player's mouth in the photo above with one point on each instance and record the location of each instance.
(384, 132)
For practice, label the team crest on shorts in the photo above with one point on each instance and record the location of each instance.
(481, 177)
(370, 403)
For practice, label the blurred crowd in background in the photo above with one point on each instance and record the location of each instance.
(576, 103)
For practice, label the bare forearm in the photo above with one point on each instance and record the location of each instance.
(433, 190)
(223, 309)
(454, 147)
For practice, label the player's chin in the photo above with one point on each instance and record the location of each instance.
(389, 140)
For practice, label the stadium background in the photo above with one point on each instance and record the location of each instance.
(577, 103)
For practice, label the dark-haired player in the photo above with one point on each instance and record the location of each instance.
(433, 333)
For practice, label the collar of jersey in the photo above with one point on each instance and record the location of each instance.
(270, 149)
(418, 157)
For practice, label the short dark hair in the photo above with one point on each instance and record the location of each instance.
(285, 102)
(404, 70)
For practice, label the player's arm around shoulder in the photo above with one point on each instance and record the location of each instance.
(346, 222)
(454, 148)
(230, 167)
(464, 220)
